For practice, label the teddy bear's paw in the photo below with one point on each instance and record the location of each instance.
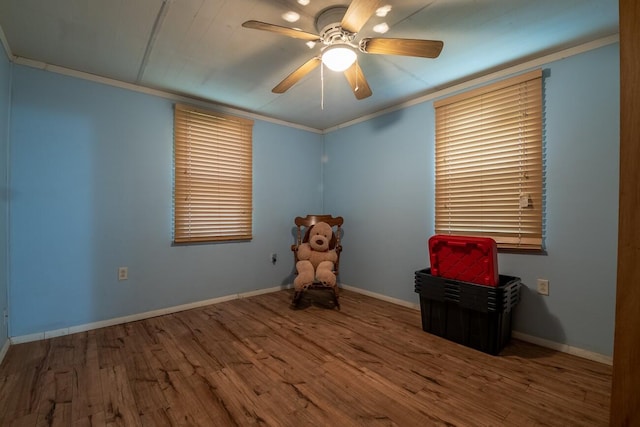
(301, 283)
(327, 278)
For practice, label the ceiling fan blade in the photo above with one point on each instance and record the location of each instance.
(407, 47)
(358, 14)
(357, 81)
(295, 77)
(285, 31)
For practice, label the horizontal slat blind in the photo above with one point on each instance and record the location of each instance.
(489, 160)
(213, 176)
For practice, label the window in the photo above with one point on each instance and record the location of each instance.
(212, 176)
(489, 163)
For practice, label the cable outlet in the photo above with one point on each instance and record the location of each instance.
(274, 258)
(543, 286)
(123, 273)
(5, 317)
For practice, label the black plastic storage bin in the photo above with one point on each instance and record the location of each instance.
(476, 316)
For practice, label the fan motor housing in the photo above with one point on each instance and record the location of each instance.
(328, 25)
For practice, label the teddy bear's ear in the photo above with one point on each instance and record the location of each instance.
(307, 234)
(332, 241)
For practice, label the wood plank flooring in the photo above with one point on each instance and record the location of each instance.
(256, 362)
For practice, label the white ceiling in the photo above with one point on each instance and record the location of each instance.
(199, 48)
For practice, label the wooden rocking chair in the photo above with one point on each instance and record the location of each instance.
(304, 226)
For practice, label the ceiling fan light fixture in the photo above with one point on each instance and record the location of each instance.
(338, 58)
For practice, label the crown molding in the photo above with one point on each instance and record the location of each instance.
(157, 92)
(5, 43)
(511, 70)
(486, 78)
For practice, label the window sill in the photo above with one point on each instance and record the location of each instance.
(522, 251)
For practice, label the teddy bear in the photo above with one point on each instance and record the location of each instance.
(315, 259)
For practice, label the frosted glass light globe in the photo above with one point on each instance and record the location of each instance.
(338, 58)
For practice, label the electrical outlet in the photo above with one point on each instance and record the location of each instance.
(274, 258)
(543, 286)
(123, 273)
(5, 317)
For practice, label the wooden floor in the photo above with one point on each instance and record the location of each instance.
(255, 361)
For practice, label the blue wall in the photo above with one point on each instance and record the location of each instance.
(379, 175)
(5, 97)
(91, 176)
(91, 191)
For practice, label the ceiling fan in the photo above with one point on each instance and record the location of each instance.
(338, 28)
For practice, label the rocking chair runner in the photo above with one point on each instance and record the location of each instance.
(304, 226)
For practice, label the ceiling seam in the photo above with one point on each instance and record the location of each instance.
(162, 13)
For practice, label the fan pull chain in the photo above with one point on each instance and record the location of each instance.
(322, 86)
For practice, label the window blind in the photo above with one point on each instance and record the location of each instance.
(212, 176)
(489, 163)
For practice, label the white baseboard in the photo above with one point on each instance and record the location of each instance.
(4, 349)
(139, 316)
(381, 297)
(564, 348)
